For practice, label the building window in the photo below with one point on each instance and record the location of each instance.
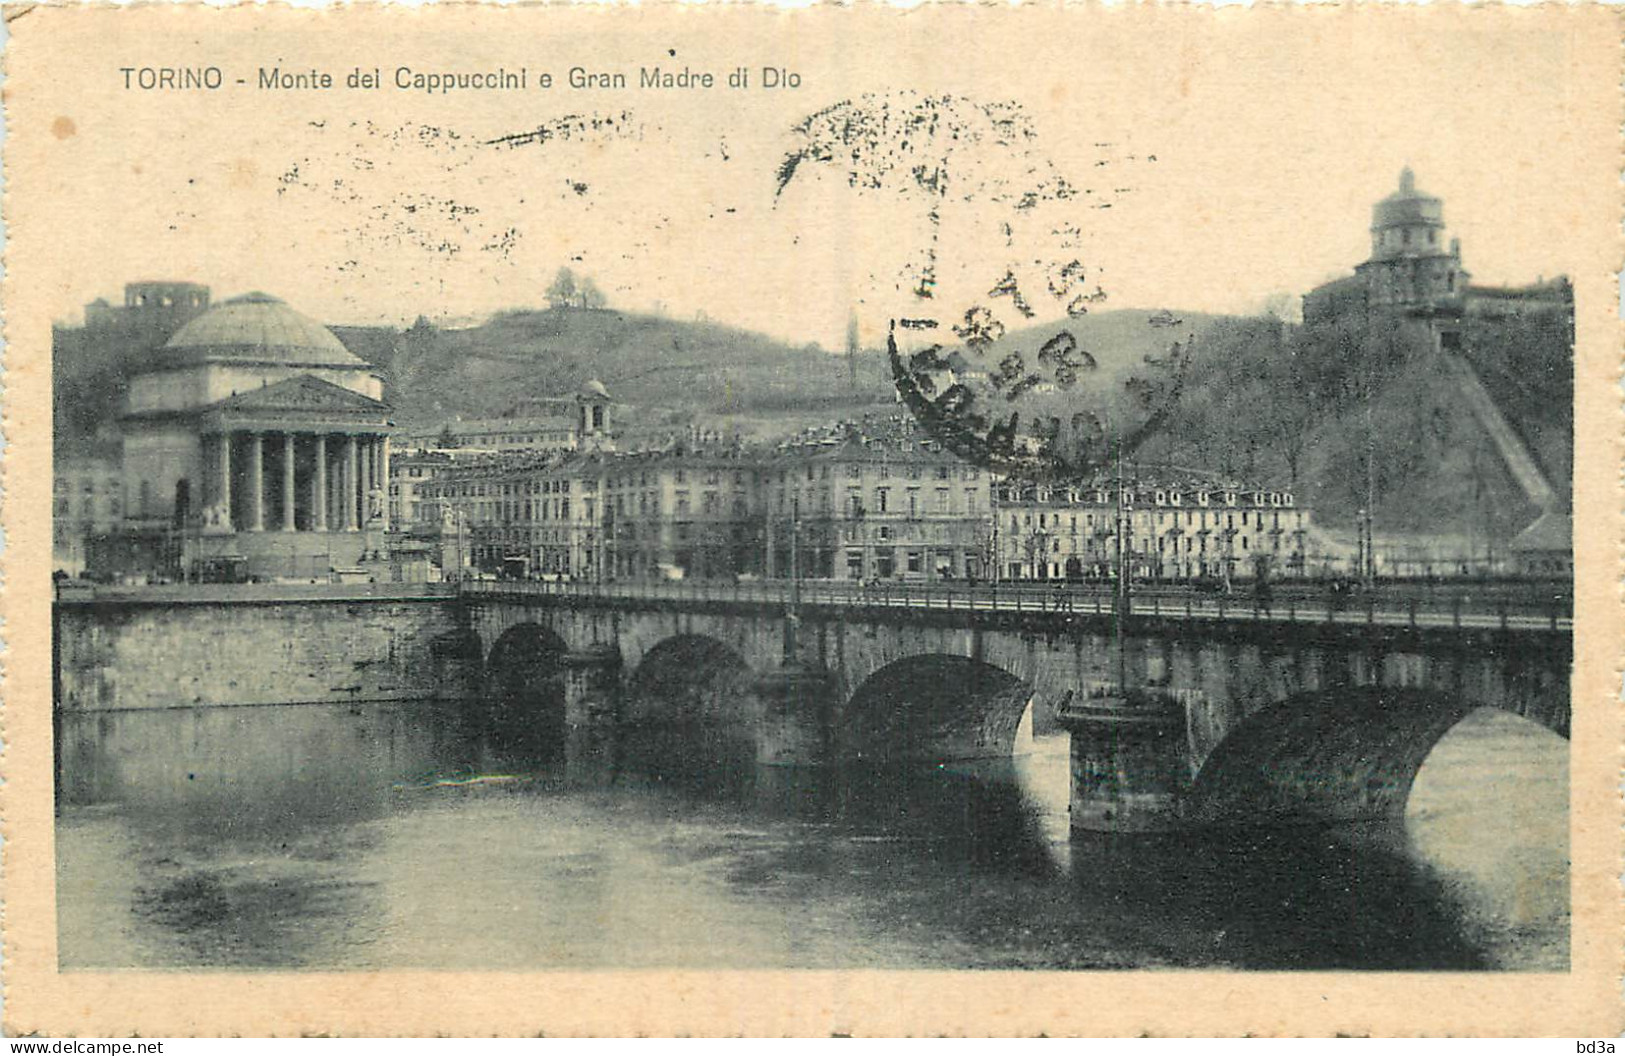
(882, 503)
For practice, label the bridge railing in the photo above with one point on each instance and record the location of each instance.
(1416, 609)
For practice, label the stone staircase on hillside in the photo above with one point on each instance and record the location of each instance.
(1520, 462)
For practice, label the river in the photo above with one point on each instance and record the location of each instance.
(414, 836)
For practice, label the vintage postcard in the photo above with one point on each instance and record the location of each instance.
(738, 520)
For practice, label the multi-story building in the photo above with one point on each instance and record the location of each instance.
(527, 516)
(886, 503)
(545, 426)
(1170, 531)
(87, 500)
(409, 472)
(687, 512)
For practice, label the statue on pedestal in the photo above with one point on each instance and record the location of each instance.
(216, 519)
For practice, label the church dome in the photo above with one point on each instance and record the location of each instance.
(594, 390)
(259, 327)
(1407, 206)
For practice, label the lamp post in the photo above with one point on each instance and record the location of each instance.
(994, 488)
(1121, 597)
(457, 521)
(792, 616)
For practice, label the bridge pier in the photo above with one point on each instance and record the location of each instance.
(1130, 766)
(459, 666)
(797, 703)
(592, 702)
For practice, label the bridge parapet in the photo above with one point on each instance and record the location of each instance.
(1506, 609)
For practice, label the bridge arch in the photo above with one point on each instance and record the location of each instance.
(1344, 753)
(934, 707)
(524, 687)
(690, 679)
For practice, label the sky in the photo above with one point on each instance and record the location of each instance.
(1210, 164)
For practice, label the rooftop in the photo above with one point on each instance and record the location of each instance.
(259, 327)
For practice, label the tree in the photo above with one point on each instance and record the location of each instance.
(563, 292)
(421, 332)
(589, 295)
(1035, 547)
(447, 438)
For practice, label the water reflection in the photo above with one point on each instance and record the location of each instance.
(445, 837)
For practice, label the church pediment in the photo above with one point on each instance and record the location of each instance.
(304, 393)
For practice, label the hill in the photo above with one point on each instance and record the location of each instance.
(1313, 407)
(694, 368)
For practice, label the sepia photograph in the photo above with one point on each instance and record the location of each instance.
(560, 492)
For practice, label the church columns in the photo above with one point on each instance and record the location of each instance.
(256, 482)
(288, 492)
(318, 486)
(366, 480)
(352, 483)
(383, 473)
(335, 487)
(223, 475)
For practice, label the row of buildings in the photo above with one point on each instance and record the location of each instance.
(862, 501)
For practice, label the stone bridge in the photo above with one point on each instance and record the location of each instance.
(1197, 713)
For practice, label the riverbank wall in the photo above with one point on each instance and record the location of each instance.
(250, 644)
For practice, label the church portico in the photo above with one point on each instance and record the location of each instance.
(286, 480)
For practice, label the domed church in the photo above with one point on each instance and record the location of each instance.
(262, 440)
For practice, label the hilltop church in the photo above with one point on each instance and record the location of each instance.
(1413, 270)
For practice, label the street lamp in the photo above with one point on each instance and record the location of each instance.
(792, 617)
